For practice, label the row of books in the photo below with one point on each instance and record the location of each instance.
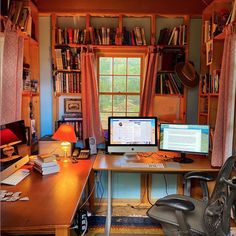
(168, 83)
(210, 83)
(72, 116)
(134, 37)
(67, 82)
(175, 36)
(214, 26)
(101, 36)
(68, 58)
(20, 15)
(77, 124)
(46, 164)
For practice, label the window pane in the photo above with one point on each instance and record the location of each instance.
(105, 102)
(132, 114)
(104, 119)
(119, 84)
(119, 114)
(133, 103)
(119, 66)
(105, 84)
(105, 66)
(134, 66)
(133, 84)
(119, 103)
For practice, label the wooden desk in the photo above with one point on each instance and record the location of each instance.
(53, 201)
(115, 163)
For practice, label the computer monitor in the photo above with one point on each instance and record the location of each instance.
(184, 138)
(11, 134)
(130, 135)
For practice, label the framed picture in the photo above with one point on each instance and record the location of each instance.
(209, 52)
(72, 105)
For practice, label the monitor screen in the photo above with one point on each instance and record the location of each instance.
(132, 134)
(184, 138)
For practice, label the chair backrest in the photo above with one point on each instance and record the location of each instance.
(217, 212)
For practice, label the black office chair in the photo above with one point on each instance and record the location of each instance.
(181, 215)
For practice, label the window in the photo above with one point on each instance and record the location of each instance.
(120, 80)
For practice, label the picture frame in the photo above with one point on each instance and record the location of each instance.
(72, 105)
(209, 52)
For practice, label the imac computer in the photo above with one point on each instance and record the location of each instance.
(11, 134)
(130, 135)
(184, 138)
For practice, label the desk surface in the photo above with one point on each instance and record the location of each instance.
(117, 163)
(53, 199)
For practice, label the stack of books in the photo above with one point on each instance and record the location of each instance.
(46, 164)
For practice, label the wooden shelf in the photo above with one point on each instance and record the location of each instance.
(67, 94)
(30, 93)
(169, 95)
(68, 71)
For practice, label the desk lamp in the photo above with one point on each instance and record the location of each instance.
(7, 140)
(66, 134)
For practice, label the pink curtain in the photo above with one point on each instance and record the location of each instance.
(223, 135)
(90, 103)
(149, 85)
(12, 72)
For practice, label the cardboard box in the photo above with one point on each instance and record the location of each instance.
(50, 146)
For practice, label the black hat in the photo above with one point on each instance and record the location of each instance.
(187, 74)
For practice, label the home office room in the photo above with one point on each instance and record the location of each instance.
(118, 117)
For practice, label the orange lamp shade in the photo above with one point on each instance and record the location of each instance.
(7, 136)
(65, 132)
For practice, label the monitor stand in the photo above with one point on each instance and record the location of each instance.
(183, 159)
(131, 156)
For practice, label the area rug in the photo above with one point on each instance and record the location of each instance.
(124, 225)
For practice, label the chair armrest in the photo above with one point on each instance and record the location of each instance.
(199, 175)
(177, 204)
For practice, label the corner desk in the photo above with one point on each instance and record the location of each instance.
(53, 201)
(115, 163)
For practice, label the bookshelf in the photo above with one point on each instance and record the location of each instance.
(128, 32)
(27, 25)
(214, 18)
(172, 36)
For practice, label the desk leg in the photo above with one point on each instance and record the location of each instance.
(109, 205)
(62, 232)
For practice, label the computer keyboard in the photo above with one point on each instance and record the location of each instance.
(142, 165)
(16, 177)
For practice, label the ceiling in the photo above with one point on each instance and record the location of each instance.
(190, 7)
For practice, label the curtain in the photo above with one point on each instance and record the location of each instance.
(11, 79)
(90, 103)
(149, 85)
(223, 135)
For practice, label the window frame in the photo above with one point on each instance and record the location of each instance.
(131, 53)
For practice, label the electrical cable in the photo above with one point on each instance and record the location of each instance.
(166, 184)
(138, 205)
(90, 194)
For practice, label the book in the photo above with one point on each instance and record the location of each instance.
(40, 164)
(48, 170)
(15, 10)
(46, 158)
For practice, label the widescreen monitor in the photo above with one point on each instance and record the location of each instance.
(184, 138)
(132, 134)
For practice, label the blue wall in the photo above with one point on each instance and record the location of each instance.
(45, 76)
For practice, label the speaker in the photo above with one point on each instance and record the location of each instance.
(91, 145)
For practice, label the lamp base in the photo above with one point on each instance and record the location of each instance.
(66, 159)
